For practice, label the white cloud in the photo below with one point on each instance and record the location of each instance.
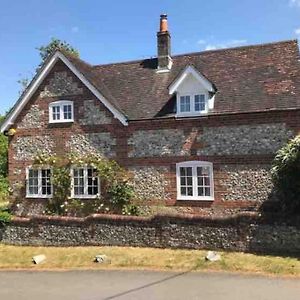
(226, 44)
(74, 29)
(295, 3)
(297, 31)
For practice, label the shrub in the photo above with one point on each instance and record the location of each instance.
(3, 188)
(120, 193)
(5, 217)
(115, 188)
(130, 210)
(286, 176)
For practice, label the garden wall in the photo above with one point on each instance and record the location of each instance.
(244, 232)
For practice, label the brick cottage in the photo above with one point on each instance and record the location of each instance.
(198, 129)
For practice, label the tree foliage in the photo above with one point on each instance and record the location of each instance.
(3, 152)
(45, 51)
(286, 177)
(56, 44)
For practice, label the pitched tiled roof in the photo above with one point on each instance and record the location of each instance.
(248, 79)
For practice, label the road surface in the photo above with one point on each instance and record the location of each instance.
(90, 285)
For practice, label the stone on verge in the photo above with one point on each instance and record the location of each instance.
(101, 259)
(38, 259)
(212, 256)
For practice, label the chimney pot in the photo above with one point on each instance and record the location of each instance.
(163, 23)
(164, 60)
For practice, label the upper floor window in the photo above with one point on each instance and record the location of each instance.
(85, 182)
(185, 103)
(194, 180)
(192, 104)
(38, 183)
(61, 111)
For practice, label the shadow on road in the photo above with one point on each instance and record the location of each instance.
(148, 285)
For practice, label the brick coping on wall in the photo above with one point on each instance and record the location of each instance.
(241, 217)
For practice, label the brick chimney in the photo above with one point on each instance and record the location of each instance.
(164, 60)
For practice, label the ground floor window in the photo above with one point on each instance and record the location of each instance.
(85, 182)
(194, 180)
(38, 183)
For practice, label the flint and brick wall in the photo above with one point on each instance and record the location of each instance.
(240, 146)
(244, 232)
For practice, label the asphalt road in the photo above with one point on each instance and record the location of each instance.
(90, 285)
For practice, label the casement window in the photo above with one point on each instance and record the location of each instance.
(85, 182)
(185, 103)
(192, 104)
(200, 104)
(61, 112)
(38, 183)
(195, 180)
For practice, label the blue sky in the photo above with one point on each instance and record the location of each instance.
(117, 30)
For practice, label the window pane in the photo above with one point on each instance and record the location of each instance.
(183, 191)
(203, 181)
(78, 181)
(200, 191)
(33, 182)
(199, 102)
(55, 112)
(67, 111)
(45, 182)
(190, 191)
(207, 191)
(185, 103)
(206, 181)
(182, 180)
(92, 181)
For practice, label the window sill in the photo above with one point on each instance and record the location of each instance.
(60, 122)
(38, 196)
(195, 199)
(84, 196)
(194, 114)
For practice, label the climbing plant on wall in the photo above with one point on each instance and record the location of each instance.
(116, 190)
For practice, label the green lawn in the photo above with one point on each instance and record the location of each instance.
(17, 257)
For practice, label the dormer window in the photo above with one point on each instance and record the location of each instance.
(194, 93)
(192, 104)
(61, 112)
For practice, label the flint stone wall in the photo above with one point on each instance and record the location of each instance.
(243, 139)
(150, 182)
(93, 115)
(28, 147)
(33, 118)
(61, 85)
(243, 232)
(92, 143)
(161, 142)
(246, 182)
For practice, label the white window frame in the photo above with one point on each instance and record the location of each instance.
(85, 178)
(39, 194)
(61, 105)
(194, 165)
(192, 111)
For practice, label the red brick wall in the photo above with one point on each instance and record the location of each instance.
(60, 133)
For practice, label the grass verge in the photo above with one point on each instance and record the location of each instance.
(17, 257)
